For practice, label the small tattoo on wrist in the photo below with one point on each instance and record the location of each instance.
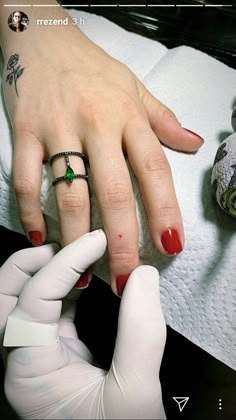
(15, 72)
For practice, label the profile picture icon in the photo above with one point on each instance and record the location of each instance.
(18, 21)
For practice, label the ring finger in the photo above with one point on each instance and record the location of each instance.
(116, 201)
(72, 193)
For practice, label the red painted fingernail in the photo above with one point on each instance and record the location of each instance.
(36, 238)
(171, 242)
(195, 134)
(84, 280)
(121, 282)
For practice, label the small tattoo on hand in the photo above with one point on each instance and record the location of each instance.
(15, 72)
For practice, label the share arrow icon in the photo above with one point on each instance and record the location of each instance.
(181, 401)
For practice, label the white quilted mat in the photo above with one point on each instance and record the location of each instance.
(197, 287)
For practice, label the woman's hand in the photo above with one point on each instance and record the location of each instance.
(50, 372)
(75, 97)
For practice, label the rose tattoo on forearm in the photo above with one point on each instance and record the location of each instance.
(15, 72)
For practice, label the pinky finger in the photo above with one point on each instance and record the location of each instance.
(27, 173)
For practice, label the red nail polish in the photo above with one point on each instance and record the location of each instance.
(121, 282)
(195, 134)
(83, 281)
(36, 238)
(171, 242)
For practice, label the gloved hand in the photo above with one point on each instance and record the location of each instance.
(51, 374)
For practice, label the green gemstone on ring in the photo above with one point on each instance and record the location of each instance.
(70, 175)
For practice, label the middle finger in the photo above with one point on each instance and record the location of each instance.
(115, 197)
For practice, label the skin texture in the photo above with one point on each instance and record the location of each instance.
(82, 99)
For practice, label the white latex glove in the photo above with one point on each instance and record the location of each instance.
(60, 380)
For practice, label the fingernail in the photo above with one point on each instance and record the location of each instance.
(84, 280)
(36, 238)
(195, 134)
(171, 242)
(121, 282)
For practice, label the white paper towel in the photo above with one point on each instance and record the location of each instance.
(197, 287)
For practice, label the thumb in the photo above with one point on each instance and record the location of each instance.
(165, 124)
(141, 328)
(133, 380)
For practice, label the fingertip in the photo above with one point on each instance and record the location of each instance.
(145, 276)
(169, 241)
(141, 298)
(35, 237)
(166, 125)
(174, 135)
(193, 140)
(120, 284)
(101, 233)
(148, 271)
(120, 273)
(98, 235)
(86, 249)
(195, 135)
(140, 272)
(55, 247)
(34, 227)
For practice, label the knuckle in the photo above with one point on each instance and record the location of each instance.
(23, 126)
(29, 215)
(26, 133)
(129, 106)
(153, 163)
(95, 114)
(122, 257)
(117, 196)
(70, 202)
(168, 211)
(145, 131)
(24, 187)
(168, 114)
(125, 258)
